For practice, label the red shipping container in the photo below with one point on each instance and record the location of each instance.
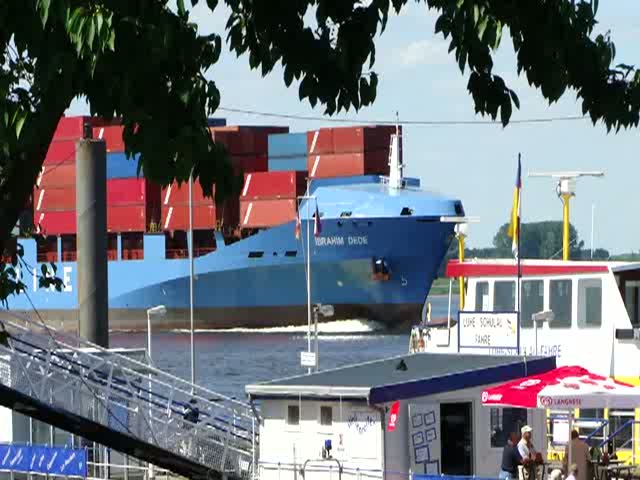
(177, 218)
(248, 164)
(348, 164)
(245, 140)
(363, 139)
(126, 191)
(112, 135)
(320, 142)
(266, 213)
(61, 151)
(55, 223)
(176, 194)
(59, 175)
(127, 218)
(70, 128)
(54, 198)
(273, 185)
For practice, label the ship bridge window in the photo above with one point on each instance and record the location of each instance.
(345, 214)
(406, 211)
(256, 254)
(504, 296)
(532, 301)
(560, 303)
(589, 303)
(458, 208)
(290, 253)
(631, 297)
(482, 296)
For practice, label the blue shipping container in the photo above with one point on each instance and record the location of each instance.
(217, 122)
(287, 145)
(287, 164)
(119, 166)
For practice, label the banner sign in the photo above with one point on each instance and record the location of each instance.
(495, 332)
(393, 416)
(69, 462)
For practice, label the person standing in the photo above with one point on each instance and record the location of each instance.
(525, 445)
(579, 456)
(510, 459)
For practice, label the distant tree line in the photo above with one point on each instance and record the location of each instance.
(542, 240)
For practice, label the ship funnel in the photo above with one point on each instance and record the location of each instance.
(395, 161)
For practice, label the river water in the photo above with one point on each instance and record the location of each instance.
(227, 361)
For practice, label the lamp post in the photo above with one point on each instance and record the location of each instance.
(158, 310)
(541, 317)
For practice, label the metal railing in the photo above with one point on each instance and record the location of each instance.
(128, 396)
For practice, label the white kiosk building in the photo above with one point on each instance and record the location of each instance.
(418, 414)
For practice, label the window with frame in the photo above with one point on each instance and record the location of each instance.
(504, 296)
(532, 301)
(504, 421)
(482, 296)
(560, 303)
(621, 421)
(293, 415)
(590, 422)
(589, 303)
(326, 416)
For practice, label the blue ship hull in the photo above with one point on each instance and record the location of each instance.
(261, 282)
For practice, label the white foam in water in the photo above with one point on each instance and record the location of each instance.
(341, 326)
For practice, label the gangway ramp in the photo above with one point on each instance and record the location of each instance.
(123, 403)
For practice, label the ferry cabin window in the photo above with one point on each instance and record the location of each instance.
(482, 296)
(589, 303)
(504, 296)
(293, 415)
(590, 423)
(560, 303)
(621, 421)
(504, 421)
(326, 416)
(631, 291)
(532, 301)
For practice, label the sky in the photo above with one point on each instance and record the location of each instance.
(476, 164)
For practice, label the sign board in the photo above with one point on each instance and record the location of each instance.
(393, 416)
(495, 332)
(424, 438)
(560, 431)
(61, 461)
(308, 359)
(361, 434)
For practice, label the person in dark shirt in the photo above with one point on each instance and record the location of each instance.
(191, 415)
(510, 459)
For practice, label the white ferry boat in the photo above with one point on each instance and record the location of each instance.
(587, 313)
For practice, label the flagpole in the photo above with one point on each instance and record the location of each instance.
(519, 283)
(308, 271)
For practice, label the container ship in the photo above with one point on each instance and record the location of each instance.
(375, 247)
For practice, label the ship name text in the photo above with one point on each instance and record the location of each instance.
(341, 241)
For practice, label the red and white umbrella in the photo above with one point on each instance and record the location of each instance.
(564, 388)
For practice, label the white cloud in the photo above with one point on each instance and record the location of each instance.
(422, 52)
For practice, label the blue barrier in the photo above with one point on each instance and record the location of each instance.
(69, 462)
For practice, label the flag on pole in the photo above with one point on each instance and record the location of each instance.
(297, 229)
(514, 226)
(317, 225)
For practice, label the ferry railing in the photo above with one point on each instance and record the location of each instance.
(128, 396)
(632, 441)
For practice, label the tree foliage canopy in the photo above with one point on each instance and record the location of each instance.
(146, 63)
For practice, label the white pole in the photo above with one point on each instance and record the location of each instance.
(193, 349)
(315, 322)
(593, 213)
(308, 274)
(151, 472)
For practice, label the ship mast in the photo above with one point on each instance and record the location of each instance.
(395, 161)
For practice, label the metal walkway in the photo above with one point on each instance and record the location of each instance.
(123, 403)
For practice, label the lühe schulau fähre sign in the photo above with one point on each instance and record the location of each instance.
(488, 330)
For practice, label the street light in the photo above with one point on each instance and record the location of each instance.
(325, 311)
(541, 317)
(157, 310)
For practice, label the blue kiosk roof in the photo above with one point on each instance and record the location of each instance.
(404, 377)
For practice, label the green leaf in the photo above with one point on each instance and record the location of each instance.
(182, 11)
(514, 97)
(505, 111)
(19, 124)
(91, 32)
(594, 6)
(112, 40)
(212, 4)
(44, 10)
(99, 22)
